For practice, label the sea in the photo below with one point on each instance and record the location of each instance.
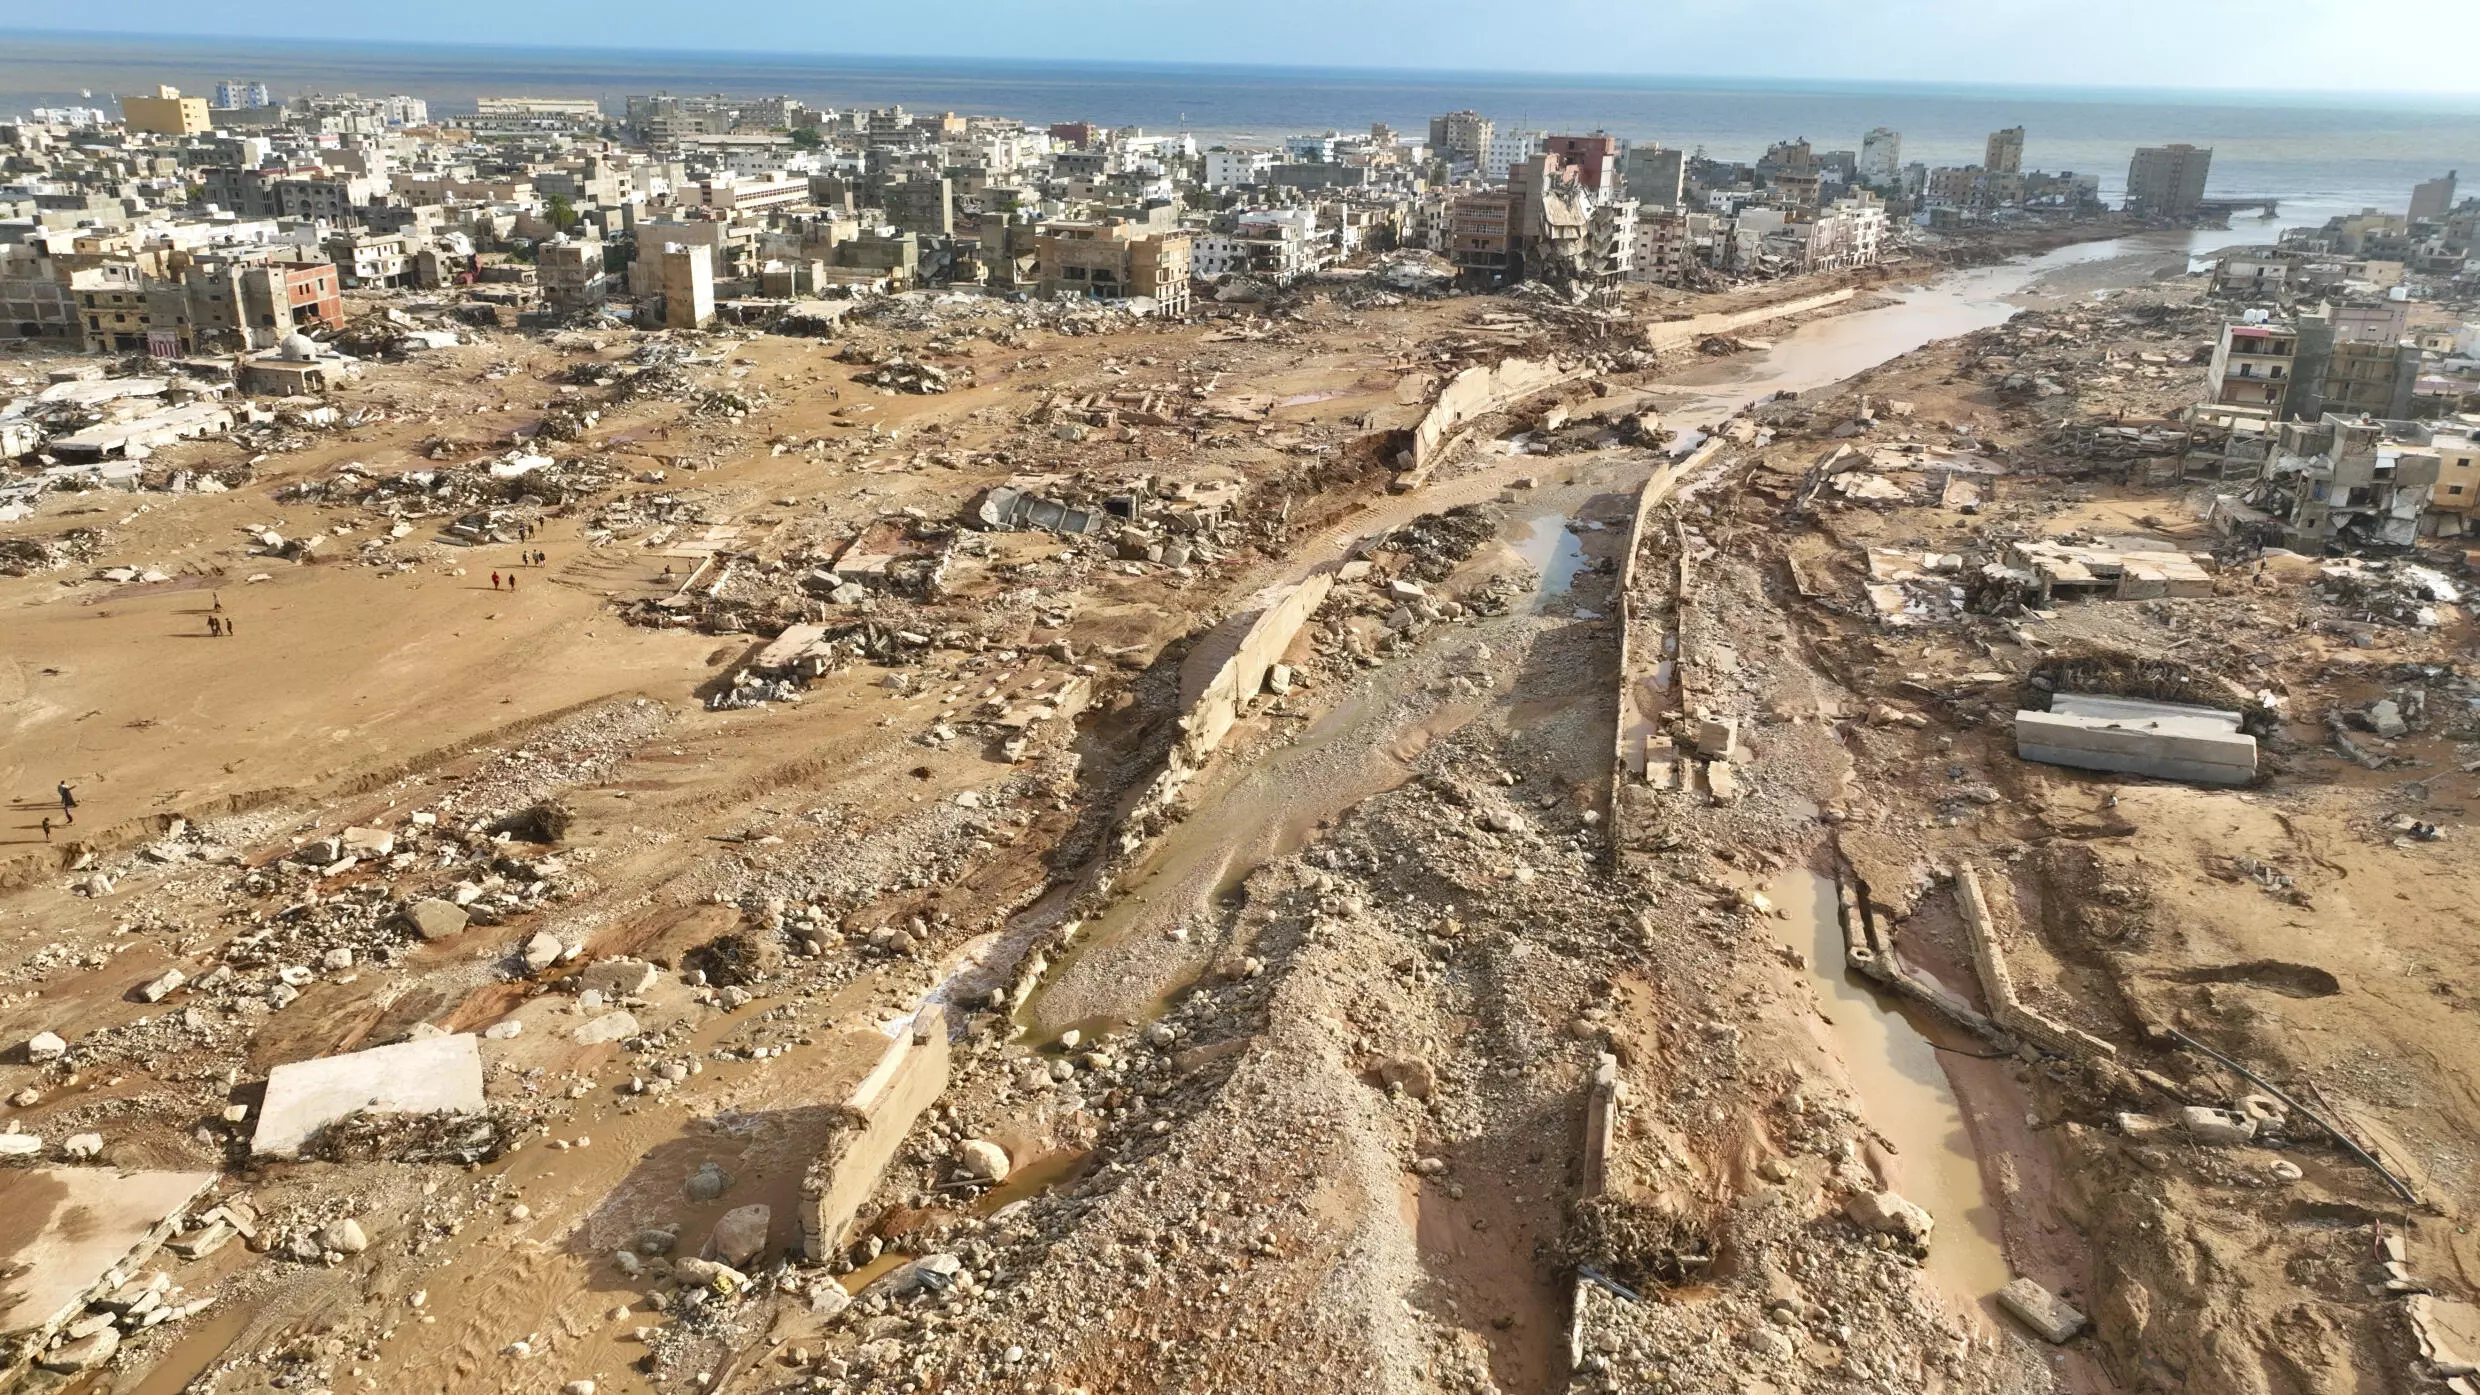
(2317, 153)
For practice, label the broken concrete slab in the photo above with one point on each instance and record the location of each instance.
(410, 1077)
(1886, 1213)
(909, 1077)
(2041, 1310)
(2169, 741)
(611, 1026)
(2218, 1126)
(69, 1230)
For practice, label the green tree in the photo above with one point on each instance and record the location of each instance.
(807, 138)
(561, 213)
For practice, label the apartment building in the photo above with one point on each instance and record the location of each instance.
(1113, 260)
(167, 113)
(2167, 181)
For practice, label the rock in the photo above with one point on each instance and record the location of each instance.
(708, 1182)
(509, 1030)
(45, 1046)
(827, 1297)
(657, 1241)
(578, 1387)
(932, 1272)
(335, 959)
(722, 1278)
(82, 1146)
(2041, 1310)
(984, 1159)
(320, 852)
(2216, 1126)
(542, 951)
(84, 1354)
(1769, 1342)
(434, 919)
(20, 1145)
(740, 1236)
(618, 978)
(1413, 1075)
(611, 1026)
(155, 989)
(2284, 1170)
(1888, 1214)
(203, 1241)
(2386, 719)
(344, 1237)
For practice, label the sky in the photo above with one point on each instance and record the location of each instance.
(2359, 46)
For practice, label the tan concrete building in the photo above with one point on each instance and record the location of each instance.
(2167, 181)
(688, 286)
(167, 113)
(1114, 261)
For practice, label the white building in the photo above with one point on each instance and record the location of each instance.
(1506, 149)
(1233, 169)
(1881, 157)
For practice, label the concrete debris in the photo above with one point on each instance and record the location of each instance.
(442, 1073)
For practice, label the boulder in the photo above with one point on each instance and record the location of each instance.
(542, 951)
(2385, 719)
(155, 989)
(367, 842)
(84, 1354)
(45, 1046)
(343, 1236)
(20, 1145)
(707, 1273)
(708, 1182)
(984, 1159)
(618, 978)
(1717, 740)
(740, 1236)
(81, 1147)
(434, 919)
(1889, 1214)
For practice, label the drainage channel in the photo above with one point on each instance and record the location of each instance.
(1892, 1061)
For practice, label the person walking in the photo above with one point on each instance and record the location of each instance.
(215, 626)
(495, 581)
(219, 600)
(228, 627)
(68, 803)
(47, 828)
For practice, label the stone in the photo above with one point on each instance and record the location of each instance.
(20, 1145)
(434, 919)
(343, 1236)
(578, 1387)
(320, 852)
(1889, 1214)
(82, 1146)
(1413, 1075)
(2041, 1310)
(2216, 1126)
(708, 1182)
(1769, 1342)
(203, 1241)
(154, 990)
(542, 951)
(740, 1236)
(611, 1026)
(2385, 719)
(657, 1241)
(984, 1159)
(707, 1273)
(45, 1046)
(1717, 740)
(84, 1354)
(336, 959)
(618, 978)
(410, 1077)
(509, 1030)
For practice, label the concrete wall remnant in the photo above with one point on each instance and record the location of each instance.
(879, 1112)
(2170, 741)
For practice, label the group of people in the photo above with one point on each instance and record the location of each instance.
(219, 624)
(527, 558)
(68, 810)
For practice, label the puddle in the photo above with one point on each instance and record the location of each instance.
(1904, 1095)
(1548, 543)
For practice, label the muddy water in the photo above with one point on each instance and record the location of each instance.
(1824, 352)
(1904, 1095)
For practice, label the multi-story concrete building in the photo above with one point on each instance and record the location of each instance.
(1236, 169)
(2005, 151)
(2167, 181)
(1881, 157)
(242, 96)
(1114, 260)
(167, 113)
(1655, 177)
(688, 285)
(1481, 235)
(2432, 199)
(1461, 137)
(2254, 365)
(1505, 150)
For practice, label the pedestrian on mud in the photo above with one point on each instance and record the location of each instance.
(495, 581)
(512, 581)
(47, 828)
(219, 600)
(215, 626)
(228, 627)
(68, 803)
